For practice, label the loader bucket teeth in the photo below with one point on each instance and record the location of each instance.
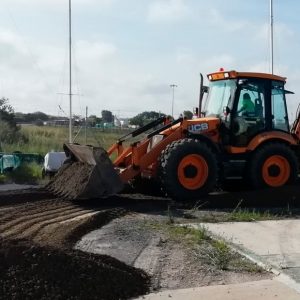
(89, 173)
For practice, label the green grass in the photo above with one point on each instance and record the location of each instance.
(26, 173)
(3, 178)
(190, 235)
(180, 233)
(247, 215)
(214, 253)
(218, 254)
(42, 139)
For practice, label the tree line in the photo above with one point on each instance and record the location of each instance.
(10, 130)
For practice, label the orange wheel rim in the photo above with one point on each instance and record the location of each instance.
(276, 171)
(192, 171)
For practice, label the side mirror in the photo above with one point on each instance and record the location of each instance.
(226, 111)
(205, 89)
(242, 81)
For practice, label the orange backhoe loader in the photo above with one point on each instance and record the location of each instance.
(242, 130)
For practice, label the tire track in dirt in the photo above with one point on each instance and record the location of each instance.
(17, 216)
(37, 256)
(31, 224)
(24, 222)
(18, 210)
(4, 210)
(32, 231)
(53, 220)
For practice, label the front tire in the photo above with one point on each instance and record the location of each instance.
(188, 169)
(273, 165)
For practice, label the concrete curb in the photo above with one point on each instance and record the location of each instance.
(280, 276)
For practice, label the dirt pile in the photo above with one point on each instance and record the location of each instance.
(71, 180)
(37, 260)
(84, 181)
(33, 272)
(36, 256)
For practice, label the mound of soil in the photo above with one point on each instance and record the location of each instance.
(87, 174)
(36, 256)
(71, 180)
(84, 181)
(28, 271)
(38, 232)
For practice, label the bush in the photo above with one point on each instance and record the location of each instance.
(9, 131)
(3, 178)
(218, 254)
(30, 173)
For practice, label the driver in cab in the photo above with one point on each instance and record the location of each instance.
(248, 107)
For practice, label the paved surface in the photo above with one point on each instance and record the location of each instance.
(14, 187)
(258, 290)
(275, 243)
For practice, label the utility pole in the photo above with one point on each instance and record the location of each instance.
(271, 38)
(86, 114)
(173, 86)
(70, 71)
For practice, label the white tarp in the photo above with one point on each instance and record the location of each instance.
(53, 161)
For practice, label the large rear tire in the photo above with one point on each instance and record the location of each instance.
(188, 169)
(273, 165)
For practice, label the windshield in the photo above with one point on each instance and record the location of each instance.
(219, 95)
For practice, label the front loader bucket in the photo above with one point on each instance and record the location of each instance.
(89, 173)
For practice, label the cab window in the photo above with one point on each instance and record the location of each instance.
(220, 94)
(279, 110)
(249, 116)
(251, 101)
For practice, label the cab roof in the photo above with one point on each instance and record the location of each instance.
(221, 75)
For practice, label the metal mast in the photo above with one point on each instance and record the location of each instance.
(271, 38)
(173, 86)
(70, 72)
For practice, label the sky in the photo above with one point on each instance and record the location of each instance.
(126, 54)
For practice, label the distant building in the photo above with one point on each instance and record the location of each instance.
(121, 122)
(60, 122)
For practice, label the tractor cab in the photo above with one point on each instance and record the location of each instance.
(247, 104)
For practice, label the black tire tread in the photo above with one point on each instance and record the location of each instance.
(272, 148)
(173, 188)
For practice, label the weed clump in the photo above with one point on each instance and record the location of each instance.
(190, 235)
(246, 215)
(30, 173)
(218, 254)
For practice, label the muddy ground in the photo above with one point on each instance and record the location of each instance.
(38, 233)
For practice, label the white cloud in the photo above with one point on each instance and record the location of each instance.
(260, 66)
(185, 56)
(215, 62)
(167, 11)
(13, 52)
(57, 4)
(282, 32)
(122, 63)
(217, 19)
(93, 52)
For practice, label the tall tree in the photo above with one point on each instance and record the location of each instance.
(7, 113)
(188, 114)
(145, 118)
(107, 116)
(9, 131)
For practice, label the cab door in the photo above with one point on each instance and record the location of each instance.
(248, 117)
(279, 116)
